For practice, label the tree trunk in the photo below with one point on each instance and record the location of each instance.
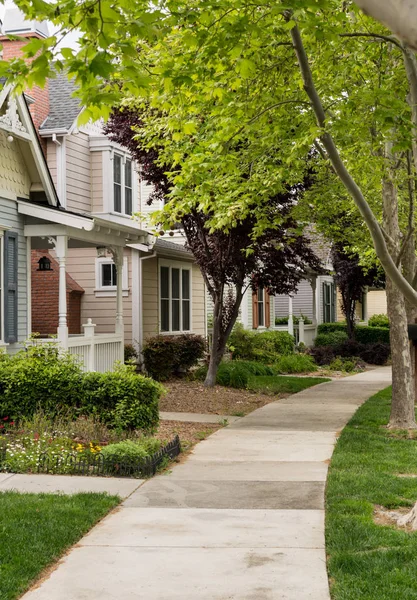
(402, 407)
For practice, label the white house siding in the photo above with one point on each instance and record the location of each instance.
(302, 303)
(78, 171)
(376, 303)
(51, 158)
(10, 218)
(97, 182)
(15, 182)
(150, 298)
(81, 265)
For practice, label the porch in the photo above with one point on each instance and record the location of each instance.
(96, 351)
(304, 332)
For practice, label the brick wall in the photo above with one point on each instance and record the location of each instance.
(39, 109)
(45, 297)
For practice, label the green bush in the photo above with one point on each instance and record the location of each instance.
(130, 353)
(127, 451)
(164, 355)
(330, 327)
(378, 321)
(295, 363)
(236, 373)
(372, 335)
(122, 399)
(284, 320)
(264, 346)
(344, 364)
(39, 377)
(330, 339)
(44, 379)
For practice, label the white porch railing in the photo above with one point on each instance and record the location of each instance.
(97, 352)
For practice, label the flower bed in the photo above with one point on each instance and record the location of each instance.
(44, 446)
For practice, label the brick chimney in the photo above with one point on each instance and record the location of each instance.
(14, 23)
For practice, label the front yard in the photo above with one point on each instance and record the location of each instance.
(36, 530)
(368, 555)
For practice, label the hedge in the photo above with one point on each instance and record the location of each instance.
(44, 378)
(363, 333)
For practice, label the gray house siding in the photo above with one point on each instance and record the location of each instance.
(302, 302)
(10, 218)
(320, 281)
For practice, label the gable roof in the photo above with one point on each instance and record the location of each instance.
(165, 245)
(63, 107)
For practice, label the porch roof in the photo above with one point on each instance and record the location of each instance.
(45, 221)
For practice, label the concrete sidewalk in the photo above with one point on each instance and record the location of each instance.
(241, 519)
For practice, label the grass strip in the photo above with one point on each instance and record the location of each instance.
(366, 560)
(280, 384)
(36, 530)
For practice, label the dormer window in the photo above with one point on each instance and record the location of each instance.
(122, 185)
(44, 264)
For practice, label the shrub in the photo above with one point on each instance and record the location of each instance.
(126, 451)
(295, 363)
(242, 342)
(349, 348)
(378, 321)
(372, 335)
(130, 353)
(39, 377)
(344, 364)
(122, 399)
(376, 354)
(330, 339)
(164, 355)
(284, 320)
(236, 373)
(323, 355)
(278, 342)
(264, 346)
(330, 327)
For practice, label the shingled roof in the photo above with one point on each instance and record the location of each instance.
(64, 108)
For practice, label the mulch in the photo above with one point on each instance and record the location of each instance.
(192, 396)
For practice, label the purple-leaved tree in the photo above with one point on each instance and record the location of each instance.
(279, 258)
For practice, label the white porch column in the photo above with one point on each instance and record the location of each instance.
(365, 304)
(61, 246)
(301, 335)
(118, 261)
(313, 283)
(290, 317)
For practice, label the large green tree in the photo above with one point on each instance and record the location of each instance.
(243, 90)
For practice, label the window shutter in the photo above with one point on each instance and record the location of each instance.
(10, 287)
(267, 309)
(325, 302)
(255, 321)
(333, 302)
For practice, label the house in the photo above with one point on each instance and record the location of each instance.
(314, 301)
(114, 281)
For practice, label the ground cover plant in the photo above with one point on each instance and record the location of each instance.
(36, 530)
(241, 375)
(369, 560)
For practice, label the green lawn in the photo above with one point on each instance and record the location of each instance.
(36, 529)
(368, 561)
(281, 384)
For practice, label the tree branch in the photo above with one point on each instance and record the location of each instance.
(404, 246)
(350, 184)
(385, 38)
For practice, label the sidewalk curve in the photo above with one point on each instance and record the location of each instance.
(241, 519)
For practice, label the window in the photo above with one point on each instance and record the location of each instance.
(261, 308)
(9, 283)
(175, 298)
(122, 185)
(329, 304)
(106, 277)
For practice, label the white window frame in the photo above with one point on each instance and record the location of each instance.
(173, 264)
(123, 159)
(105, 291)
(261, 325)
